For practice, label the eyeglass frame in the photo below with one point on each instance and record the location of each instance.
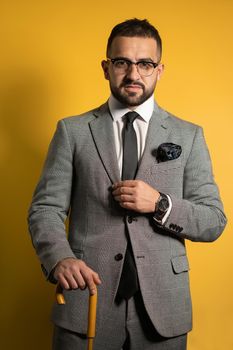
(113, 60)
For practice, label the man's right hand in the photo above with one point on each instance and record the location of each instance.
(74, 273)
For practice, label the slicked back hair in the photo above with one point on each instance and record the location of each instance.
(135, 28)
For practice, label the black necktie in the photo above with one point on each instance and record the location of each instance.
(128, 285)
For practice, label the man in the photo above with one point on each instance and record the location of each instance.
(135, 185)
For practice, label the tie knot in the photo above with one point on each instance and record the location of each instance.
(130, 117)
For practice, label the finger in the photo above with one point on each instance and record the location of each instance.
(125, 183)
(96, 278)
(128, 205)
(88, 277)
(63, 282)
(80, 280)
(67, 282)
(124, 198)
(129, 183)
(117, 198)
(71, 277)
(91, 285)
(123, 190)
(117, 184)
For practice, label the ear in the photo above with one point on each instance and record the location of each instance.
(104, 65)
(160, 70)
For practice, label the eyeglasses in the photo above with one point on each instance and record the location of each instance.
(144, 68)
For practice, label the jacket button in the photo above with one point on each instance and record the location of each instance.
(130, 219)
(118, 257)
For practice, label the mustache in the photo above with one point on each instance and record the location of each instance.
(132, 82)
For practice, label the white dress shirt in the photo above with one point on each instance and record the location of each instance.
(141, 123)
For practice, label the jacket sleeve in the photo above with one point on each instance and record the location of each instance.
(51, 202)
(199, 215)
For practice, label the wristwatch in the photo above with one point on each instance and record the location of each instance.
(161, 208)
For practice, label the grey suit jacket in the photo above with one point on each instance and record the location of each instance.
(80, 169)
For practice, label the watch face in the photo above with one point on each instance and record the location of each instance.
(163, 204)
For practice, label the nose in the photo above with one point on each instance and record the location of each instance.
(132, 72)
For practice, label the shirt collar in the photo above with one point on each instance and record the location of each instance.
(118, 110)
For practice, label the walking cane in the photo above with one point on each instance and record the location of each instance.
(91, 314)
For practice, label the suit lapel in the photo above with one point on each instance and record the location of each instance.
(102, 133)
(158, 132)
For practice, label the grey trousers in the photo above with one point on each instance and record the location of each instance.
(127, 328)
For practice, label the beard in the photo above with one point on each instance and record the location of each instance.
(131, 99)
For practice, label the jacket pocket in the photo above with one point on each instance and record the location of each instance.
(180, 264)
(168, 165)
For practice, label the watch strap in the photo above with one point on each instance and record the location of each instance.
(161, 211)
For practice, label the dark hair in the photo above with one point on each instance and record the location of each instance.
(135, 27)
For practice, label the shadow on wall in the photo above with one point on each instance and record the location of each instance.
(27, 298)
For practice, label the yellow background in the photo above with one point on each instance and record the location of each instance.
(50, 68)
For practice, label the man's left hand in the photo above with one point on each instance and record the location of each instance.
(135, 195)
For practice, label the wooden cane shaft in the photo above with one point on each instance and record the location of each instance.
(92, 315)
(90, 344)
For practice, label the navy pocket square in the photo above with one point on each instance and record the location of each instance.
(168, 151)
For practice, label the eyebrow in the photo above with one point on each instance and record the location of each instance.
(147, 59)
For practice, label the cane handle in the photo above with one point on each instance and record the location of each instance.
(59, 296)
